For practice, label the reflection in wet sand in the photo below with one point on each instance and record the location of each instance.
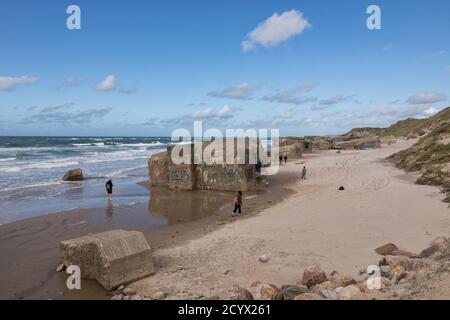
(181, 206)
(109, 209)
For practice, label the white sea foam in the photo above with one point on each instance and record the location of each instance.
(33, 185)
(40, 165)
(121, 171)
(7, 159)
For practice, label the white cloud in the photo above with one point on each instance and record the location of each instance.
(10, 83)
(292, 96)
(276, 29)
(427, 98)
(334, 100)
(58, 106)
(108, 84)
(60, 117)
(224, 112)
(288, 114)
(430, 111)
(209, 113)
(242, 91)
(203, 113)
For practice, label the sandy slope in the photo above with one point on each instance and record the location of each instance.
(318, 225)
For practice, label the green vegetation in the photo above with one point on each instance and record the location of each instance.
(431, 154)
(410, 128)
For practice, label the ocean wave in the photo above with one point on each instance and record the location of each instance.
(81, 144)
(121, 171)
(90, 144)
(32, 185)
(7, 159)
(39, 165)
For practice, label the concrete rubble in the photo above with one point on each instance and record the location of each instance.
(111, 258)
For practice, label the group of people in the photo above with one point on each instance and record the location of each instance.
(237, 199)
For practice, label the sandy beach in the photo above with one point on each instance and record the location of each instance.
(199, 249)
(337, 230)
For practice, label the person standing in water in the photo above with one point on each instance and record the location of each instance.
(109, 187)
(237, 201)
(304, 171)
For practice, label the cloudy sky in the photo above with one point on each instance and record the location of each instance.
(145, 68)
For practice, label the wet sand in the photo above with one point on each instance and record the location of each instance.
(30, 248)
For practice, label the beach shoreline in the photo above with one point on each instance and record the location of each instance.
(295, 223)
(168, 219)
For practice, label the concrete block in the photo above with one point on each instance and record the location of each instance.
(112, 258)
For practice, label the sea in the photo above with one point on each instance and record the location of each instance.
(31, 171)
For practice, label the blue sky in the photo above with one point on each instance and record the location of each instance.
(144, 68)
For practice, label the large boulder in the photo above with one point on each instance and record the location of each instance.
(438, 249)
(73, 175)
(308, 296)
(264, 291)
(112, 258)
(398, 273)
(289, 292)
(313, 275)
(387, 249)
(327, 285)
(350, 292)
(235, 293)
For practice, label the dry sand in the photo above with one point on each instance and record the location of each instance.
(337, 230)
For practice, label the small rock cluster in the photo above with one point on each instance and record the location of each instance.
(399, 272)
(125, 293)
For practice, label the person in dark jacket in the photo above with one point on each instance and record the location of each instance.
(237, 200)
(304, 171)
(109, 188)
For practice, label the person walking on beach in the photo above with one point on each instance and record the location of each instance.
(304, 171)
(258, 166)
(109, 186)
(237, 201)
(281, 159)
(285, 158)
